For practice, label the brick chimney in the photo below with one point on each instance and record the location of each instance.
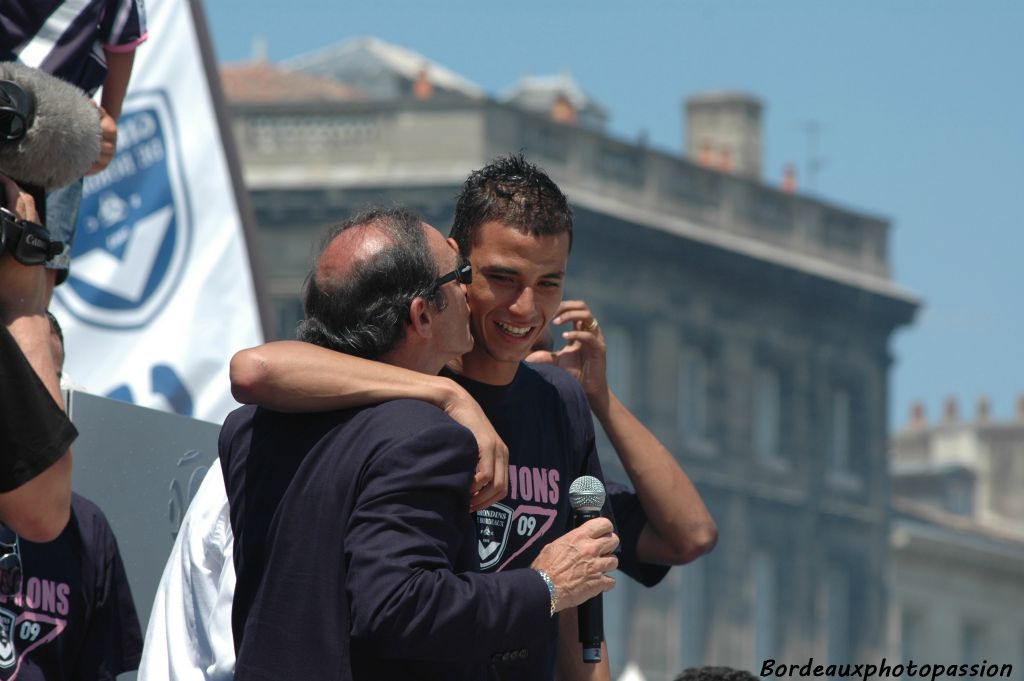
(789, 179)
(917, 415)
(949, 410)
(984, 409)
(725, 160)
(562, 111)
(729, 123)
(422, 87)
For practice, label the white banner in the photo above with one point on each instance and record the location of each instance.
(160, 293)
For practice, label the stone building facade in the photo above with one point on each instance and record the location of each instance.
(748, 327)
(958, 539)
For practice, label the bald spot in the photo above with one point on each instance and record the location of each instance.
(353, 246)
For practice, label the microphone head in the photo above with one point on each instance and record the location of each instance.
(63, 139)
(586, 493)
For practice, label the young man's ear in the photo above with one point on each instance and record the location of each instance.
(454, 245)
(420, 317)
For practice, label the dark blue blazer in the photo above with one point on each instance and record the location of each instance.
(355, 549)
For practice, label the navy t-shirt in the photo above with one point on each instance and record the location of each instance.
(74, 618)
(544, 419)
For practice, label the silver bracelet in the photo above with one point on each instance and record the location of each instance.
(552, 592)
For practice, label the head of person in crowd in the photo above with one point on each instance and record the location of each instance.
(715, 674)
(515, 225)
(387, 286)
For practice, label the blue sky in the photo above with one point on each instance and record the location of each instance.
(919, 104)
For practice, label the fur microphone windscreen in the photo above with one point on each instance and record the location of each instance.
(63, 140)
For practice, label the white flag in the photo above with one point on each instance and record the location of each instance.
(160, 293)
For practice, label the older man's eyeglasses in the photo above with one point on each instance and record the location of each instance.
(463, 273)
(10, 562)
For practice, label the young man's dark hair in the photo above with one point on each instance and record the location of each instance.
(515, 192)
(370, 304)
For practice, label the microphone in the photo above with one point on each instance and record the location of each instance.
(586, 497)
(49, 129)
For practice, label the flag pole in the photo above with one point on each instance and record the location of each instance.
(242, 199)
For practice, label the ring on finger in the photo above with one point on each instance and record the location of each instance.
(593, 326)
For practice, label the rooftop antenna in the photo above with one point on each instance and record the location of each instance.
(813, 162)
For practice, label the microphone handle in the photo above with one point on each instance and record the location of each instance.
(590, 614)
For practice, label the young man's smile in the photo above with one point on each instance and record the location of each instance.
(517, 286)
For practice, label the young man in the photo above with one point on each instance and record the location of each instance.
(353, 545)
(515, 225)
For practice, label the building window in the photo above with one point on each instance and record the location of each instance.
(692, 607)
(839, 435)
(767, 414)
(765, 608)
(960, 497)
(837, 613)
(619, 361)
(974, 642)
(692, 394)
(911, 623)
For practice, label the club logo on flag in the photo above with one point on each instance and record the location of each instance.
(134, 224)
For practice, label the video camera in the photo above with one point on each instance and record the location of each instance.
(26, 241)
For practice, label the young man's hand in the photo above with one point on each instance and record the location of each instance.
(584, 356)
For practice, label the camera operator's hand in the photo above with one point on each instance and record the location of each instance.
(579, 561)
(108, 141)
(18, 201)
(23, 290)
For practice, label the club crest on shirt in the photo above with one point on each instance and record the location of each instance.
(8, 654)
(492, 526)
(20, 634)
